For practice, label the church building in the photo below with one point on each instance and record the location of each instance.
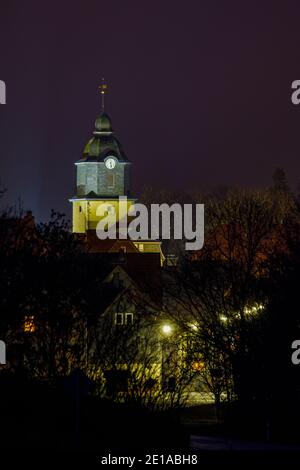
(102, 176)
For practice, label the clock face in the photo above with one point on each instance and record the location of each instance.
(110, 163)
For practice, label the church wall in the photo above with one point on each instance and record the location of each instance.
(81, 179)
(91, 178)
(118, 188)
(126, 180)
(79, 217)
(85, 213)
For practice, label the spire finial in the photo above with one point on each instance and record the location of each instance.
(103, 90)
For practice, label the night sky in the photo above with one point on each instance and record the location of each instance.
(199, 92)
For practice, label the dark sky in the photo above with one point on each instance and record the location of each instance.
(199, 92)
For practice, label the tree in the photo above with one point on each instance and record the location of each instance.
(282, 197)
(45, 275)
(221, 290)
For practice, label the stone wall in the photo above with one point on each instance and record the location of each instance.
(94, 177)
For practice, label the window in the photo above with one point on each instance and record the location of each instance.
(128, 318)
(110, 180)
(123, 318)
(119, 318)
(198, 366)
(29, 325)
(80, 209)
(140, 246)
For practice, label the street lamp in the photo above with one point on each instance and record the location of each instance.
(166, 329)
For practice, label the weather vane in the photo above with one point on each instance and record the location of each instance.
(103, 90)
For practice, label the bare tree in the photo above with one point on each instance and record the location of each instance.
(217, 294)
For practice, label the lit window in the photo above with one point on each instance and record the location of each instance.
(119, 319)
(223, 318)
(198, 366)
(29, 326)
(128, 318)
(123, 318)
(141, 246)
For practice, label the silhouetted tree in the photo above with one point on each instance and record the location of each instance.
(221, 290)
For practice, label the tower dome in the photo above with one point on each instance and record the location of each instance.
(103, 123)
(103, 142)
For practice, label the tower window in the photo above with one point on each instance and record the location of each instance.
(80, 209)
(110, 180)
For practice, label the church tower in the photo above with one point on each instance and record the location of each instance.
(102, 176)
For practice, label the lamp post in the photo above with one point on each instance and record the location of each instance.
(166, 332)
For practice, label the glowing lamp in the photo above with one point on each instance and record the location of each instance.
(167, 329)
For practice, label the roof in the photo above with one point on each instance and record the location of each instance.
(103, 143)
(143, 268)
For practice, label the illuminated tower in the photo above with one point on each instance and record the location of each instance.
(102, 174)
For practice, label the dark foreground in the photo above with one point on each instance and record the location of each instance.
(42, 424)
